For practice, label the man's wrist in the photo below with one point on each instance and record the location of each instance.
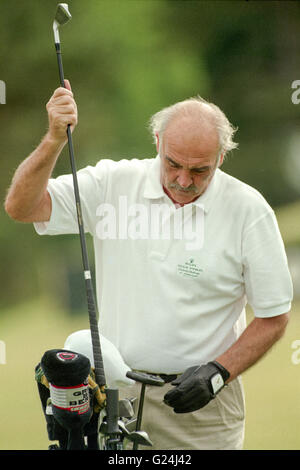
(54, 143)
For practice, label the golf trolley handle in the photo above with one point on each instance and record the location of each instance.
(145, 378)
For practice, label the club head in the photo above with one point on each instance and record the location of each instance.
(62, 16)
(131, 425)
(125, 408)
(140, 438)
(123, 428)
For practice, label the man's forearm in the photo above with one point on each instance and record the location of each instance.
(255, 341)
(27, 198)
(30, 180)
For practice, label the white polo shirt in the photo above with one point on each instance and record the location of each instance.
(169, 299)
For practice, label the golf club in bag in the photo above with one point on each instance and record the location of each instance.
(74, 395)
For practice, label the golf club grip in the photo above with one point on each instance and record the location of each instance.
(60, 65)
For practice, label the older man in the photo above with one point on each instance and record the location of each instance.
(169, 305)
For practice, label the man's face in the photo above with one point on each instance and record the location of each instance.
(189, 158)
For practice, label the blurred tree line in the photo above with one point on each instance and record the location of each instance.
(126, 59)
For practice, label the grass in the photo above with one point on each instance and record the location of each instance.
(289, 222)
(272, 395)
(272, 385)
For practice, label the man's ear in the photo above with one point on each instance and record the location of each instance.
(221, 159)
(157, 142)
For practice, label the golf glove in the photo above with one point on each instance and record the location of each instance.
(196, 387)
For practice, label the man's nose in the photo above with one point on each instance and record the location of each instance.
(184, 178)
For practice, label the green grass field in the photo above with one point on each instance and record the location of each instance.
(272, 386)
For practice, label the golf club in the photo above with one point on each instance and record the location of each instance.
(62, 16)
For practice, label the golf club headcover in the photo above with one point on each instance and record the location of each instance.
(65, 368)
(67, 374)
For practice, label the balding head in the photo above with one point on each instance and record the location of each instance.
(205, 116)
(192, 127)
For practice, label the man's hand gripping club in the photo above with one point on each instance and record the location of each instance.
(196, 387)
(62, 110)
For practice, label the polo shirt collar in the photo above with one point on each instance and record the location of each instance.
(153, 187)
(154, 190)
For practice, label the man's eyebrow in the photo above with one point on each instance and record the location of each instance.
(172, 161)
(202, 168)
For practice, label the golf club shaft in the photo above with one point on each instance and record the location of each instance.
(98, 361)
(140, 413)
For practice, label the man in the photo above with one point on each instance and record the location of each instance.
(172, 304)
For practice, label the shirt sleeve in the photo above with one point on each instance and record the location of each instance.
(268, 283)
(92, 182)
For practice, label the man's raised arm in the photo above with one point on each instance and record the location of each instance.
(27, 199)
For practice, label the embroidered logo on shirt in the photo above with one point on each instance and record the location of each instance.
(189, 269)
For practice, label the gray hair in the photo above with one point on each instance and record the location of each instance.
(160, 120)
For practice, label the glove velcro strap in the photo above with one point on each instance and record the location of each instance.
(224, 372)
(218, 378)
